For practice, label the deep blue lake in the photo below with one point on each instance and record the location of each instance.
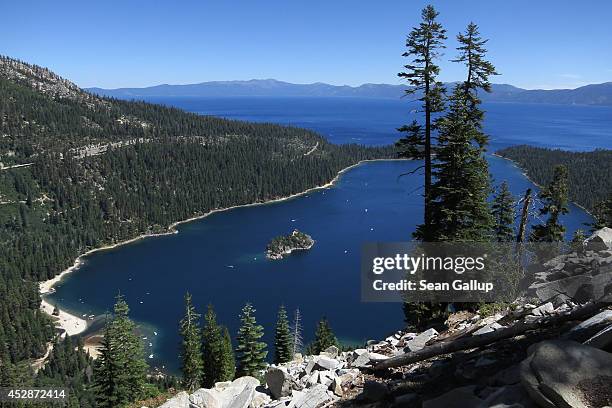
(220, 259)
(372, 121)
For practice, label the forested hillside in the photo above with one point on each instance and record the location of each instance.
(590, 173)
(78, 171)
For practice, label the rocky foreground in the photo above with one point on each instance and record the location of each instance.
(543, 351)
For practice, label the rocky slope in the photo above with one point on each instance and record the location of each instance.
(553, 352)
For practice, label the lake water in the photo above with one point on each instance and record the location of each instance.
(373, 121)
(220, 259)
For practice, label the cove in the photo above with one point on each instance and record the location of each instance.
(220, 260)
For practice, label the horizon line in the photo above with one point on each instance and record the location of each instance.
(327, 83)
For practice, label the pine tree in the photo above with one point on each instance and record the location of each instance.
(191, 350)
(423, 46)
(577, 243)
(296, 333)
(472, 53)
(282, 340)
(227, 366)
(555, 199)
(251, 352)
(120, 371)
(459, 207)
(417, 315)
(602, 212)
(503, 214)
(324, 337)
(211, 347)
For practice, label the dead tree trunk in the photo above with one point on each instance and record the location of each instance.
(446, 347)
(524, 213)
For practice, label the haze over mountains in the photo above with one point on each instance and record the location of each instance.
(596, 94)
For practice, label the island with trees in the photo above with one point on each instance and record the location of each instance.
(284, 245)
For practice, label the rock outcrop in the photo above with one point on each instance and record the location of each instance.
(580, 277)
(567, 374)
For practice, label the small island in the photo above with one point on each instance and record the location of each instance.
(285, 244)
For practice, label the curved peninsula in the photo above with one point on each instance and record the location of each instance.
(284, 245)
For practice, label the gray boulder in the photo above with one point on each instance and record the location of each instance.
(601, 339)
(601, 240)
(556, 373)
(583, 288)
(313, 379)
(331, 352)
(419, 341)
(313, 398)
(180, 400)
(245, 381)
(366, 359)
(279, 382)
(205, 398)
(543, 310)
(260, 399)
(362, 360)
(327, 363)
(336, 386)
(241, 399)
(374, 391)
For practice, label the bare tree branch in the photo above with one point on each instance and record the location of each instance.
(410, 172)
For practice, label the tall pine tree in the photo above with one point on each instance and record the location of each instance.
(227, 363)
(459, 207)
(577, 243)
(555, 200)
(213, 339)
(282, 339)
(120, 371)
(251, 352)
(324, 337)
(602, 212)
(191, 347)
(502, 209)
(423, 46)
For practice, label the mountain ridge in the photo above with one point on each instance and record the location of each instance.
(593, 94)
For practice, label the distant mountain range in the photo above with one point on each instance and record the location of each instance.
(597, 94)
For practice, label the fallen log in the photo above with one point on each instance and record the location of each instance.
(446, 347)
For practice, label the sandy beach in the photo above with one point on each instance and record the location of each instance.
(70, 323)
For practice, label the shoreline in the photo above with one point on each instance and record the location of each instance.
(74, 325)
(71, 324)
(524, 173)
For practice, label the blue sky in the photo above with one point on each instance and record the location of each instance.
(534, 44)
